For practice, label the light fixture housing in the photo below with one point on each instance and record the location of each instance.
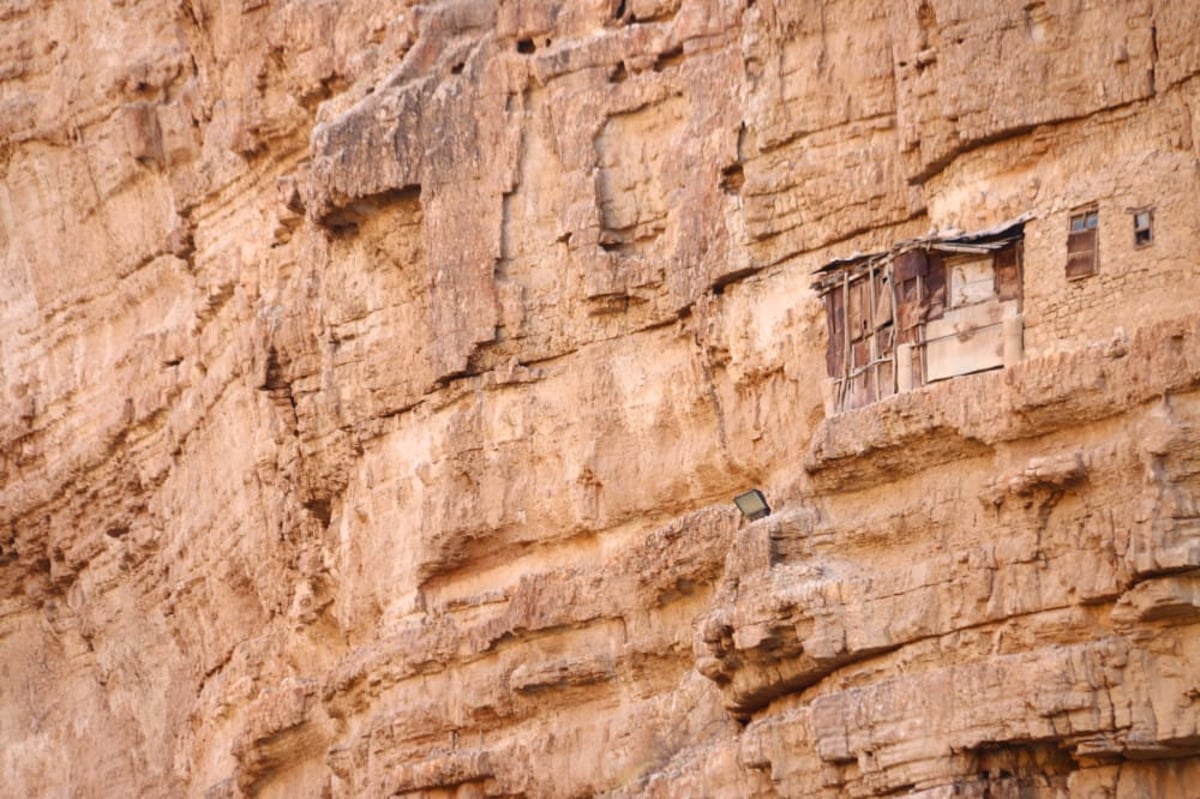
(752, 504)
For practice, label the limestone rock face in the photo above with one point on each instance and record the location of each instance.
(375, 377)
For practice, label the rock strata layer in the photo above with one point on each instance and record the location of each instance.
(375, 377)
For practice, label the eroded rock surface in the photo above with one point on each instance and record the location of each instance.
(376, 376)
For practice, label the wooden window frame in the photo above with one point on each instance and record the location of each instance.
(1143, 234)
(1083, 243)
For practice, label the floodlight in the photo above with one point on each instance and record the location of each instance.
(752, 504)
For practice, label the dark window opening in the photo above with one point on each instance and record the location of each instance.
(733, 177)
(526, 46)
(1143, 227)
(1083, 244)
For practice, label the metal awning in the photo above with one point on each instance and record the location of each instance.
(979, 242)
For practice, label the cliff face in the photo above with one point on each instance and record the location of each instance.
(376, 376)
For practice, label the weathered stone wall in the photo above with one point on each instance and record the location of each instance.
(375, 378)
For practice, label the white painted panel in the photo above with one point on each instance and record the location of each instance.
(972, 281)
(967, 340)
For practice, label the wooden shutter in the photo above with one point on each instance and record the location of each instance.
(1081, 253)
(909, 268)
(933, 304)
(858, 308)
(835, 317)
(1008, 272)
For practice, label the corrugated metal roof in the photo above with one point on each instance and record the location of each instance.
(979, 241)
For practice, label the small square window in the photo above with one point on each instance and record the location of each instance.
(1083, 244)
(1088, 220)
(1143, 227)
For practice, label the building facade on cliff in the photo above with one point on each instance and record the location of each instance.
(946, 305)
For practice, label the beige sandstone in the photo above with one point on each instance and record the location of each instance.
(375, 377)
